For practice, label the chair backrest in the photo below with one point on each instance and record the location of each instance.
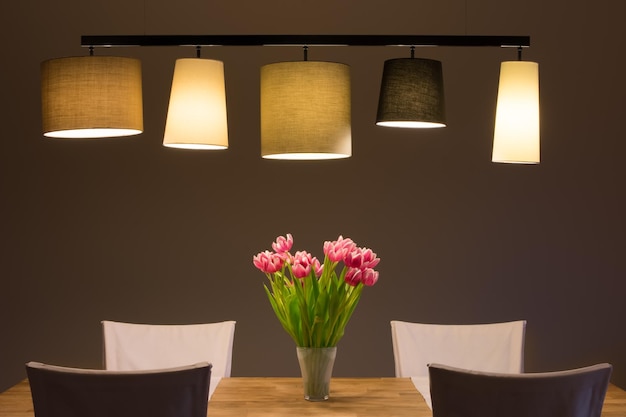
(71, 392)
(494, 347)
(132, 346)
(573, 393)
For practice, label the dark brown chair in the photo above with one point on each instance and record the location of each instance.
(72, 392)
(459, 392)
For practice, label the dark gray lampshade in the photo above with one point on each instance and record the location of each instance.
(411, 94)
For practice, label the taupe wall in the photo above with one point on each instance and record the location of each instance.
(125, 229)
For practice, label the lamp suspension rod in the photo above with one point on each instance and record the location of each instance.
(298, 40)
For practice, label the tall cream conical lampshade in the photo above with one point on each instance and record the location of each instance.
(196, 117)
(91, 97)
(305, 110)
(516, 134)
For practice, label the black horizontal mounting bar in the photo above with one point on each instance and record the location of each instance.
(321, 40)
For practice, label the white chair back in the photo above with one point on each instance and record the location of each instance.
(131, 346)
(495, 347)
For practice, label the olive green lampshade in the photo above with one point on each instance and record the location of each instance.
(412, 94)
(516, 133)
(196, 117)
(305, 110)
(91, 97)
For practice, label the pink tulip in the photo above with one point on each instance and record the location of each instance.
(283, 244)
(353, 276)
(301, 271)
(285, 256)
(369, 277)
(302, 263)
(361, 258)
(369, 258)
(268, 262)
(319, 268)
(337, 250)
(333, 254)
(354, 258)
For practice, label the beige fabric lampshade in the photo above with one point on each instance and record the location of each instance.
(516, 134)
(91, 97)
(305, 110)
(196, 117)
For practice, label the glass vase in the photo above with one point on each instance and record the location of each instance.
(316, 365)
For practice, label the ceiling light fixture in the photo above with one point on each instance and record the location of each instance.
(411, 93)
(516, 132)
(196, 115)
(91, 97)
(305, 106)
(305, 110)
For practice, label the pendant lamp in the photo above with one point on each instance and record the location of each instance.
(516, 133)
(91, 97)
(305, 110)
(196, 116)
(412, 94)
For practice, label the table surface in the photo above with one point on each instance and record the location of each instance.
(277, 397)
(349, 397)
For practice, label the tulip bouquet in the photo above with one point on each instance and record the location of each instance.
(312, 302)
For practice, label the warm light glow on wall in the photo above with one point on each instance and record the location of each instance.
(305, 110)
(91, 97)
(516, 134)
(196, 117)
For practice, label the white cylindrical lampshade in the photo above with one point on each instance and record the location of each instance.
(516, 134)
(196, 117)
(411, 94)
(305, 110)
(91, 97)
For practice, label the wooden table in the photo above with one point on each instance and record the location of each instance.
(349, 397)
(278, 397)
